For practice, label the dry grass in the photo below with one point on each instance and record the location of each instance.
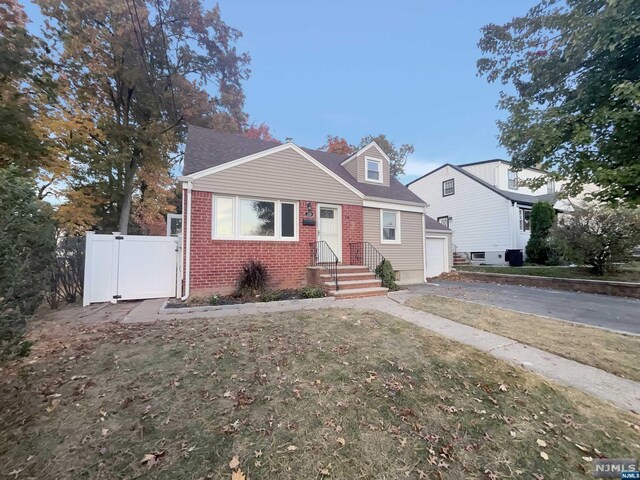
(613, 352)
(311, 394)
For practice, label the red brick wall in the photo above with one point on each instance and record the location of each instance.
(352, 226)
(216, 264)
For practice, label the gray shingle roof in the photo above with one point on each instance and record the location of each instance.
(207, 148)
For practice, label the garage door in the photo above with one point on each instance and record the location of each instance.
(436, 256)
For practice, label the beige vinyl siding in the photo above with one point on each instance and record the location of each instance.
(285, 175)
(352, 167)
(407, 256)
(373, 153)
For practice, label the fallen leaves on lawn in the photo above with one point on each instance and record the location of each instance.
(544, 455)
(341, 441)
(234, 463)
(541, 443)
(292, 448)
(152, 459)
(238, 475)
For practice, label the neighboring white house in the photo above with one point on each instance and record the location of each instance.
(485, 206)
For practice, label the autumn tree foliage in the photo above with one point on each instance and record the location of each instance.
(26, 91)
(131, 74)
(260, 132)
(338, 145)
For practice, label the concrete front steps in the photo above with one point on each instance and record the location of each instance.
(354, 281)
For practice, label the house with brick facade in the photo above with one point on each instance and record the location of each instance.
(308, 215)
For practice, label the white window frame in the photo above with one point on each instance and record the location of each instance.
(172, 216)
(398, 239)
(214, 233)
(515, 179)
(277, 237)
(521, 217)
(551, 186)
(380, 170)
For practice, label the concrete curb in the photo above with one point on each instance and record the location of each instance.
(597, 287)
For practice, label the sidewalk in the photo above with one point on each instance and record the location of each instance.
(619, 391)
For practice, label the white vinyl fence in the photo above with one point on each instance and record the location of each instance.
(130, 267)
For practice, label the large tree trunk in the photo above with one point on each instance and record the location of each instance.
(127, 194)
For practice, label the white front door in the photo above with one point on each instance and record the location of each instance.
(329, 228)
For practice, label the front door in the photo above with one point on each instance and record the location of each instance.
(329, 228)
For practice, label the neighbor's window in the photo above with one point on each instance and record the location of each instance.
(288, 220)
(525, 220)
(223, 217)
(374, 170)
(444, 221)
(513, 180)
(257, 218)
(390, 222)
(477, 256)
(448, 188)
(551, 186)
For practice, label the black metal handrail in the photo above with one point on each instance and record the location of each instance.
(363, 253)
(323, 256)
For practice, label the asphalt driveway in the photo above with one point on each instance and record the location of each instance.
(615, 313)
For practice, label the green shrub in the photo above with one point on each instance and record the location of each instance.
(27, 245)
(253, 279)
(538, 248)
(214, 299)
(272, 296)
(384, 271)
(311, 291)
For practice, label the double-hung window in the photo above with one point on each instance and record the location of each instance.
(448, 187)
(525, 220)
(389, 226)
(513, 179)
(444, 220)
(374, 170)
(254, 219)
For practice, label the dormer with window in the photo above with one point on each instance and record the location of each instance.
(369, 165)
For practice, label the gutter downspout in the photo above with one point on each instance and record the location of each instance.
(187, 239)
(424, 247)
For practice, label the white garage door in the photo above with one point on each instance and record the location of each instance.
(436, 256)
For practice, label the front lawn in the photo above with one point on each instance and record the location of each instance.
(629, 272)
(613, 352)
(311, 394)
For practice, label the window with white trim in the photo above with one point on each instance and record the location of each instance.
(223, 217)
(525, 220)
(551, 186)
(513, 179)
(477, 256)
(389, 226)
(254, 219)
(374, 170)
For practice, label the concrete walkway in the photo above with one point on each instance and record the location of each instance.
(622, 393)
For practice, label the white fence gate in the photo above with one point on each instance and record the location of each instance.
(130, 267)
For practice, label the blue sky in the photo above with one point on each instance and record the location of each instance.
(352, 68)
